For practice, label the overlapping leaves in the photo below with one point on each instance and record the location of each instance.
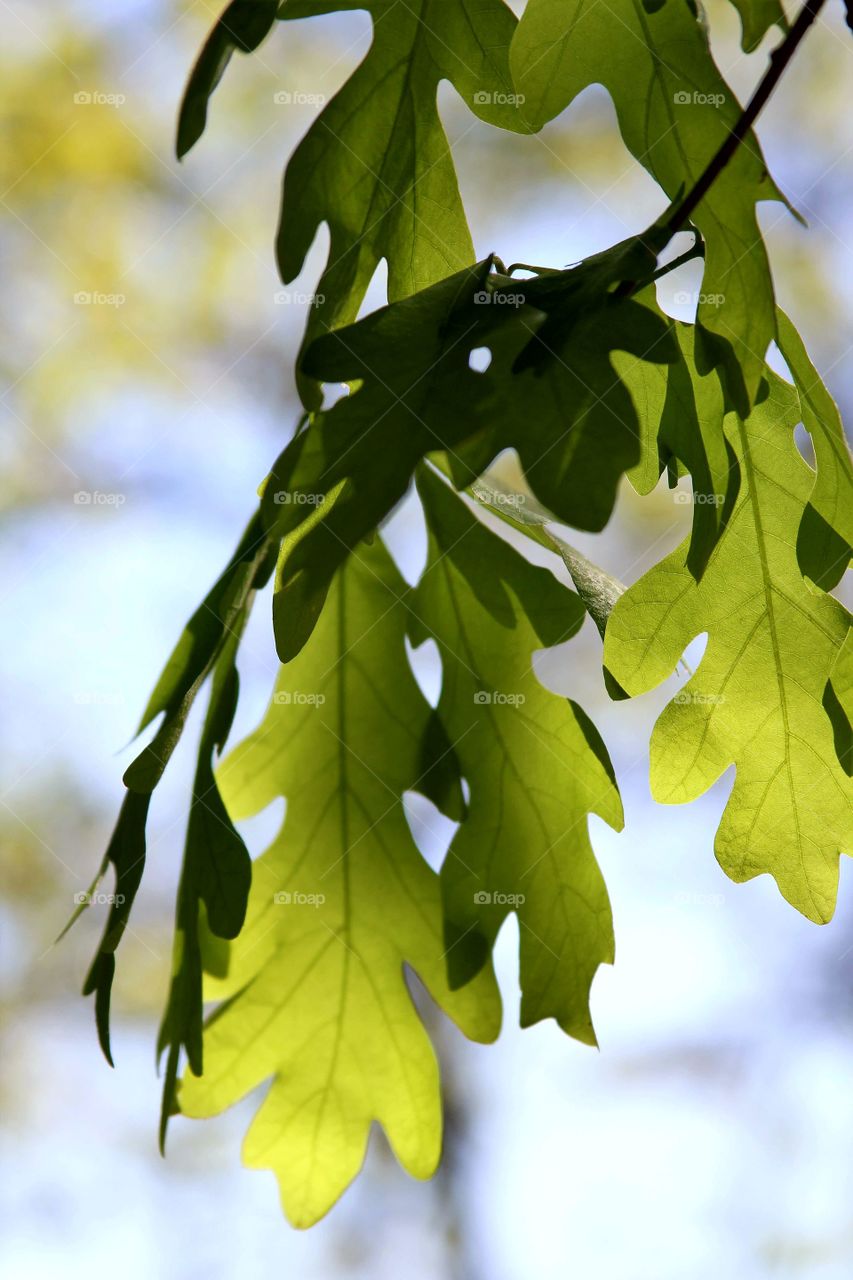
(757, 698)
(674, 111)
(534, 763)
(316, 994)
(588, 381)
(826, 529)
(216, 870)
(376, 166)
(553, 390)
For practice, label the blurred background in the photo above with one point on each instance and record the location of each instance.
(146, 356)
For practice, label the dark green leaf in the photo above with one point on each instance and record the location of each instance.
(674, 111)
(243, 25)
(534, 762)
(376, 166)
(826, 529)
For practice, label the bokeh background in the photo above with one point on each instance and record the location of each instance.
(712, 1134)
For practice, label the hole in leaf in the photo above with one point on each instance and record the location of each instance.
(803, 441)
(431, 831)
(480, 359)
(404, 534)
(425, 662)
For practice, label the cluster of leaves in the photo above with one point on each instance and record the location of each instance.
(588, 381)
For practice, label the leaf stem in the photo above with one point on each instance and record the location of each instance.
(779, 59)
(696, 251)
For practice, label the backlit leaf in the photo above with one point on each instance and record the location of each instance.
(756, 700)
(826, 530)
(376, 166)
(534, 763)
(316, 993)
(674, 111)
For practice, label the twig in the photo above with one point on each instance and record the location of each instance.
(779, 59)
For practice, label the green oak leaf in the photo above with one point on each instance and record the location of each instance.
(674, 111)
(554, 398)
(756, 700)
(597, 588)
(681, 409)
(315, 995)
(826, 530)
(339, 478)
(214, 885)
(838, 703)
(534, 762)
(218, 620)
(243, 25)
(576, 398)
(187, 667)
(126, 853)
(376, 166)
(756, 19)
